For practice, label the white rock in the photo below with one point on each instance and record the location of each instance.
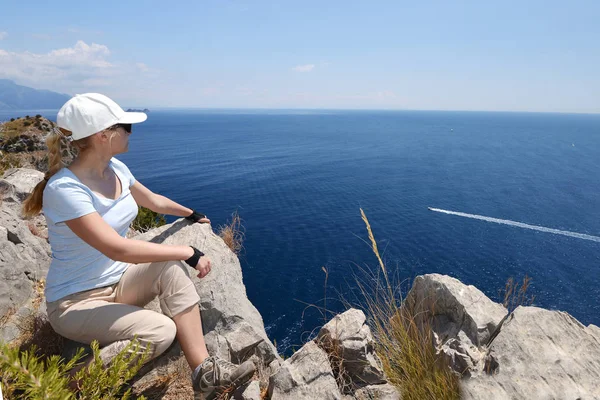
(250, 391)
(348, 338)
(305, 375)
(540, 354)
(462, 318)
(594, 331)
(18, 183)
(378, 392)
(456, 307)
(24, 258)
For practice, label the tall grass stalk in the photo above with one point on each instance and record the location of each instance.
(376, 250)
(405, 346)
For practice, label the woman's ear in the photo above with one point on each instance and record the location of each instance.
(103, 136)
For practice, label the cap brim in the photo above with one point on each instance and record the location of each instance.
(133, 118)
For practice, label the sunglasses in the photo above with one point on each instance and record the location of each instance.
(127, 127)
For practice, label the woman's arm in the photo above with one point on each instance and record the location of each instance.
(156, 202)
(93, 230)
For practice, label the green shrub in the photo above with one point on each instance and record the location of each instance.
(26, 376)
(147, 219)
(26, 123)
(38, 116)
(12, 120)
(27, 117)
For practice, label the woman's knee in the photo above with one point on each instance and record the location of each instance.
(175, 271)
(177, 290)
(160, 337)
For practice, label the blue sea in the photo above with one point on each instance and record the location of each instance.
(299, 178)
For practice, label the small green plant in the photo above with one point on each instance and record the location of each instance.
(25, 375)
(147, 219)
(38, 116)
(100, 382)
(12, 120)
(26, 123)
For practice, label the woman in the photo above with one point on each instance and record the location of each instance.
(99, 281)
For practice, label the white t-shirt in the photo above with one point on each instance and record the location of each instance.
(76, 266)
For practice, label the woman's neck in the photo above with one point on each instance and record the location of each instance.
(93, 165)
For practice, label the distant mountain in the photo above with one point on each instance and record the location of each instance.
(17, 97)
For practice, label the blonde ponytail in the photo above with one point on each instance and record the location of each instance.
(56, 142)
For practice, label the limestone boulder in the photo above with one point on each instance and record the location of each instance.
(24, 259)
(18, 183)
(456, 307)
(250, 391)
(594, 331)
(379, 392)
(348, 338)
(306, 375)
(540, 354)
(462, 318)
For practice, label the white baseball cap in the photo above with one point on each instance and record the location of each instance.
(89, 113)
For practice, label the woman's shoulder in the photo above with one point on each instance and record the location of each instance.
(64, 180)
(117, 162)
(121, 167)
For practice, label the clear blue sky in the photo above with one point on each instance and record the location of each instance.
(435, 55)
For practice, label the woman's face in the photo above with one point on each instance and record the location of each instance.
(120, 141)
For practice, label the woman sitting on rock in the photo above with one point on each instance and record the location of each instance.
(99, 281)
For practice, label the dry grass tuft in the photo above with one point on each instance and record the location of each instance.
(515, 294)
(9, 160)
(404, 346)
(7, 316)
(37, 331)
(38, 289)
(173, 385)
(233, 233)
(336, 360)
(409, 357)
(263, 373)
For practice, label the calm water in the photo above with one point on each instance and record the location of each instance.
(298, 180)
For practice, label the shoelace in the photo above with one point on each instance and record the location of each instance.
(218, 365)
(228, 367)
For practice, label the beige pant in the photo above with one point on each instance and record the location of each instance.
(115, 313)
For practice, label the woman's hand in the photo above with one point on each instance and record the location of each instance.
(203, 266)
(198, 217)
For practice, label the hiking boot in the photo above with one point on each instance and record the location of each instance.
(217, 375)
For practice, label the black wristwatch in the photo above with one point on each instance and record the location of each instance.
(193, 260)
(195, 216)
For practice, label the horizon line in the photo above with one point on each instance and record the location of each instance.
(150, 108)
(368, 109)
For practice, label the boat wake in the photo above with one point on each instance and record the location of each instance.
(519, 225)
